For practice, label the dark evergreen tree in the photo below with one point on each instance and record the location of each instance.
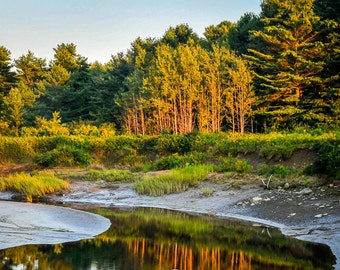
(289, 67)
(239, 37)
(7, 76)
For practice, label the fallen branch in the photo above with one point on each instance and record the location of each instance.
(268, 182)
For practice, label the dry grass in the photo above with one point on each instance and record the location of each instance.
(33, 184)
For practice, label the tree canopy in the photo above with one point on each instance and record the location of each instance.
(272, 71)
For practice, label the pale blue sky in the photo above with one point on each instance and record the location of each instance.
(101, 28)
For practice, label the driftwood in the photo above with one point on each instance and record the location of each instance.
(268, 182)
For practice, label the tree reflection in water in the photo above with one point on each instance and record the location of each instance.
(159, 239)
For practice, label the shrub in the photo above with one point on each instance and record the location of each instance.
(328, 159)
(233, 165)
(107, 130)
(171, 144)
(4, 128)
(17, 149)
(168, 162)
(177, 161)
(280, 170)
(64, 155)
(83, 128)
(118, 147)
(51, 127)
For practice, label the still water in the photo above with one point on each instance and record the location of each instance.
(157, 239)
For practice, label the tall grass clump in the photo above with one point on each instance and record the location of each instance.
(33, 184)
(177, 180)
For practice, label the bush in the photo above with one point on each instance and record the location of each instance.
(64, 155)
(233, 165)
(83, 128)
(17, 149)
(280, 170)
(327, 161)
(177, 161)
(171, 144)
(168, 162)
(118, 147)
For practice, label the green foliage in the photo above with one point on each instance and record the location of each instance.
(85, 129)
(280, 170)
(289, 65)
(233, 165)
(135, 152)
(64, 155)
(17, 149)
(181, 83)
(14, 109)
(118, 147)
(34, 184)
(4, 128)
(277, 169)
(177, 161)
(327, 161)
(52, 127)
(170, 144)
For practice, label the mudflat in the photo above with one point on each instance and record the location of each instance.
(25, 223)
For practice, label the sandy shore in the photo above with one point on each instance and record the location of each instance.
(312, 215)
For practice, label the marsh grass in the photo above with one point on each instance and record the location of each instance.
(207, 191)
(175, 181)
(33, 184)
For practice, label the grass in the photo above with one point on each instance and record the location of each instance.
(207, 191)
(175, 181)
(33, 184)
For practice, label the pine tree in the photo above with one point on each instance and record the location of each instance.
(288, 68)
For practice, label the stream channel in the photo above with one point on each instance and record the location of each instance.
(144, 238)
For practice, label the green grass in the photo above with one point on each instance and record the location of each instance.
(33, 184)
(175, 181)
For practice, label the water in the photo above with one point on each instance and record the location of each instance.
(158, 239)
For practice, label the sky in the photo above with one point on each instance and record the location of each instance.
(101, 28)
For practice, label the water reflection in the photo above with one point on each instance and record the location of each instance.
(158, 239)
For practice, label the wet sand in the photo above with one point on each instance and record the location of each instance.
(25, 223)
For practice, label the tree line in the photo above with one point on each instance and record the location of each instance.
(272, 71)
